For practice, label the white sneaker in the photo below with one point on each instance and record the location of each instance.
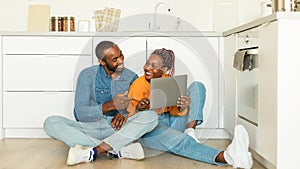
(132, 151)
(79, 154)
(191, 132)
(238, 149)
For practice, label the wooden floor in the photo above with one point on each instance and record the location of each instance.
(52, 154)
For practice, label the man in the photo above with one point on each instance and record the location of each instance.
(100, 100)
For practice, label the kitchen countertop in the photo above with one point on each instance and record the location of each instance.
(241, 28)
(117, 34)
(263, 20)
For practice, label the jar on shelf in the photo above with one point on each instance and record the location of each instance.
(72, 24)
(65, 24)
(53, 24)
(59, 23)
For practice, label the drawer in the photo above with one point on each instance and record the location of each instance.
(46, 45)
(42, 72)
(29, 109)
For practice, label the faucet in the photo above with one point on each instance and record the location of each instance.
(155, 26)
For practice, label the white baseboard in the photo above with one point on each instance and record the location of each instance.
(257, 157)
(262, 160)
(25, 133)
(204, 133)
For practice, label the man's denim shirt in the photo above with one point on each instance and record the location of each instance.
(95, 87)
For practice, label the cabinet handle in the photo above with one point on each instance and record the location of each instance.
(55, 92)
(52, 56)
(50, 37)
(246, 39)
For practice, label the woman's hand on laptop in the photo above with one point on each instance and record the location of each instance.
(143, 104)
(183, 102)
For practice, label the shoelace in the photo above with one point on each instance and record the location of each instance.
(124, 154)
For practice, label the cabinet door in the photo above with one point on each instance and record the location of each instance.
(1, 122)
(230, 84)
(133, 48)
(269, 99)
(46, 45)
(42, 72)
(198, 58)
(29, 109)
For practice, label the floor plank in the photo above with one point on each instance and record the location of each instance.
(52, 154)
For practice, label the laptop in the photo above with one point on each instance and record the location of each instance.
(164, 92)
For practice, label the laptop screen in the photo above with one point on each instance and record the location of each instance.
(164, 92)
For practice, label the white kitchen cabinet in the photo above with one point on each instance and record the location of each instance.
(229, 89)
(39, 77)
(263, 135)
(262, 131)
(46, 45)
(39, 80)
(30, 109)
(279, 93)
(288, 92)
(273, 140)
(42, 72)
(198, 58)
(1, 118)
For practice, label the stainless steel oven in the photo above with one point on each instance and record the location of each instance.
(247, 89)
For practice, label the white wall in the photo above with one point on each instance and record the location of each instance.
(13, 13)
(249, 10)
(204, 15)
(225, 14)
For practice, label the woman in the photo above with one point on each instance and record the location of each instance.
(161, 63)
(165, 137)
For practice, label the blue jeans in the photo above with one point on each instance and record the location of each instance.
(168, 135)
(92, 134)
(197, 93)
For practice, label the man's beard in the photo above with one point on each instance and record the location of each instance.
(113, 69)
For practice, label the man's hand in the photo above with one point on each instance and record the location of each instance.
(121, 101)
(118, 121)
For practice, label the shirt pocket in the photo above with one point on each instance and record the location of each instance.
(103, 95)
(119, 87)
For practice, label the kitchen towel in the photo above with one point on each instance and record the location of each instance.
(107, 20)
(238, 61)
(245, 60)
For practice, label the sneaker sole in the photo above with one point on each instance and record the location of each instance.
(71, 157)
(140, 155)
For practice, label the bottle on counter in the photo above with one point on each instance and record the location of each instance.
(59, 24)
(53, 24)
(72, 24)
(65, 24)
